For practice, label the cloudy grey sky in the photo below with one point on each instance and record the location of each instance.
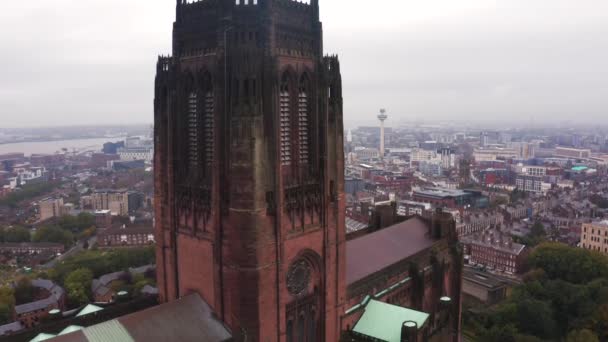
(67, 62)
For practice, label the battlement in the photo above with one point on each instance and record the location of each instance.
(164, 64)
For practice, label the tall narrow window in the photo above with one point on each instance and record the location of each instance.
(303, 126)
(301, 328)
(312, 327)
(290, 331)
(209, 125)
(193, 124)
(285, 103)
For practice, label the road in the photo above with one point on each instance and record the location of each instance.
(77, 248)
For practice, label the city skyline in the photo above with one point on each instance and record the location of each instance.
(475, 60)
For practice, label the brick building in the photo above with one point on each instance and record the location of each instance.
(51, 296)
(496, 251)
(127, 236)
(31, 248)
(249, 179)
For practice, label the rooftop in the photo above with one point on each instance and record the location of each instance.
(441, 192)
(186, 319)
(374, 252)
(384, 321)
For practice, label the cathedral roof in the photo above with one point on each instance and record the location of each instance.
(376, 251)
(384, 321)
(187, 319)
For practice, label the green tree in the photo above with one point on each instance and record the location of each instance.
(7, 303)
(497, 333)
(582, 336)
(76, 296)
(15, 234)
(80, 279)
(6, 313)
(24, 291)
(54, 234)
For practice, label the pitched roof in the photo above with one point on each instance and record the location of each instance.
(373, 252)
(184, 320)
(89, 309)
(71, 329)
(42, 337)
(10, 328)
(56, 294)
(384, 321)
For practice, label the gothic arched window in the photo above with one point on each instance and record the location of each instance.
(193, 128)
(285, 107)
(290, 331)
(304, 120)
(312, 327)
(302, 328)
(208, 120)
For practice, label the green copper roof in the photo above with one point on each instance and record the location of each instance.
(70, 329)
(384, 321)
(42, 337)
(108, 331)
(579, 168)
(89, 309)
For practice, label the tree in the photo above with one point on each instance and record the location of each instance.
(505, 333)
(76, 296)
(15, 234)
(7, 303)
(6, 313)
(582, 336)
(81, 278)
(54, 234)
(24, 291)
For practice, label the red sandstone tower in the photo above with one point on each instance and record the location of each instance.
(249, 168)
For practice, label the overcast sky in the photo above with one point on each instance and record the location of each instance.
(67, 62)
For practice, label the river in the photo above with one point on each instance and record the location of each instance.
(50, 147)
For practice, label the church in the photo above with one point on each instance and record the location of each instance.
(249, 176)
(250, 203)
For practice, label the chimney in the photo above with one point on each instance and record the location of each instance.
(409, 332)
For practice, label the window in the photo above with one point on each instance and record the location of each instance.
(303, 122)
(209, 126)
(193, 157)
(285, 103)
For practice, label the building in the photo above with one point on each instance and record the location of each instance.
(52, 297)
(533, 184)
(594, 236)
(496, 251)
(492, 154)
(575, 153)
(486, 287)
(431, 168)
(126, 236)
(249, 175)
(117, 201)
(411, 208)
(30, 248)
(136, 153)
(448, 158)
(476, 222)
(450, 198)
(103, 219)
(102, 160)
(52, 207)
(224, 173)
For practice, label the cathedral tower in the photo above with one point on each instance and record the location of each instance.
(249, 168)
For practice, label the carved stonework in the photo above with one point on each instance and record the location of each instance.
(298, 277)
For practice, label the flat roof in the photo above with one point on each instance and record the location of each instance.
(374, 252)
(384, 321)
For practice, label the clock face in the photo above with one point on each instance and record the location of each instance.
(298, 277)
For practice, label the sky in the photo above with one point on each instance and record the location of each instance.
(69, 62)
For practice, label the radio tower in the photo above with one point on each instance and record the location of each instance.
(382, 117)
